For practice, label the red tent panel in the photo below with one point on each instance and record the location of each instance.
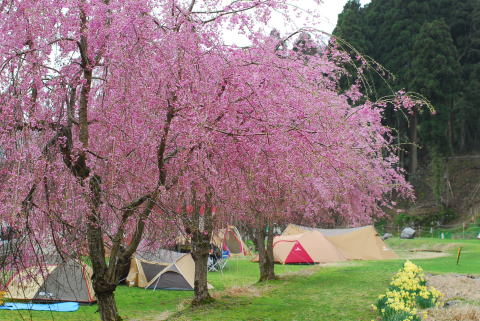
(298, 255)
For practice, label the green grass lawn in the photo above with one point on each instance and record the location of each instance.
(337, 292)
(342, 292)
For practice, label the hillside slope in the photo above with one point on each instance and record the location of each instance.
(448, 193)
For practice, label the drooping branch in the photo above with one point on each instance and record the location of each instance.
(224, 12)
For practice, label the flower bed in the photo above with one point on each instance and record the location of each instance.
(406, 295)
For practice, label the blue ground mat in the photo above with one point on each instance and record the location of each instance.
(55, 307)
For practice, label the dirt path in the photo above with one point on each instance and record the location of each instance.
(423, 254)
(462, 297)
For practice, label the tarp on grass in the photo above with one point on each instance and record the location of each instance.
(54, 307)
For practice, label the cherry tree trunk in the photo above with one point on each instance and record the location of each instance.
(202, 229)
(107, 307)
(266, 262)
(252, 234)
(200, 257)
(103, 285)
(200, 250)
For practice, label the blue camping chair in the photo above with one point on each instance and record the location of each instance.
(218, 263)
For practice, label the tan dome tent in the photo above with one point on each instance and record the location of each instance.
(69, 281)
(162, 270)
(231, 240)
(359, 243)
(306, 248)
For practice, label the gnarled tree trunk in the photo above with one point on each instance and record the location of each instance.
(107, 306)
(103, 286)
(201, 227)
(252, 234)
(200, 249)
(266, 262)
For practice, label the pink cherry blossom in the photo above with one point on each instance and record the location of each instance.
(117, 118)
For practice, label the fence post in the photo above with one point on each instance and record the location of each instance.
(459, 253)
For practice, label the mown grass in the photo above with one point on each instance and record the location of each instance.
(139, 304)
(333, 293)
(339, 292)
(469, 262)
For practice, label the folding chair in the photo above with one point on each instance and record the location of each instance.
(212, 263)
(224, 260)
(218, 264)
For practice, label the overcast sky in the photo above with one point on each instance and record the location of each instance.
(329, 11)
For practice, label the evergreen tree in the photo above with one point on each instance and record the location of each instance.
(433, 47)
(469, 103)
(435, 73)
(350, 26)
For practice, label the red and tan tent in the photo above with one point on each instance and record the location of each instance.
(306, 248)
(359, 243)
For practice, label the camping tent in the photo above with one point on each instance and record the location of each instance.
(231, 240)
(225, 239)
(7, 249)
(68, 281)
(360, 243)
(308, 247)
(162, 270)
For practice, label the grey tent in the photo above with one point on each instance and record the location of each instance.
(162, 269)
(7, 249)
(9, 243)
(68, 281)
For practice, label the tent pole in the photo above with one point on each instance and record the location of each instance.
(156, 283)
